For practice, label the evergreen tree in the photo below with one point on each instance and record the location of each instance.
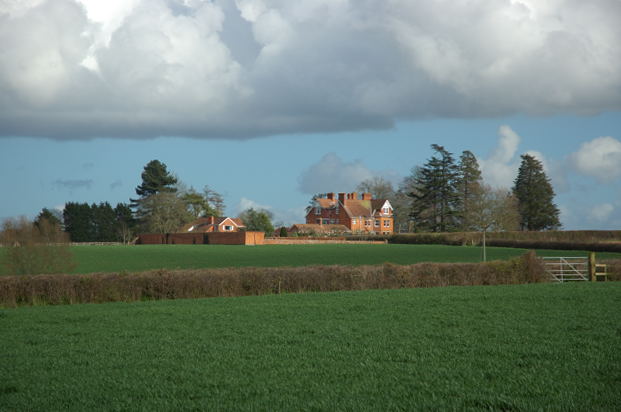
(535, 197)
(404, 221)
(436, 204)
(103, 223)
(78, 219)
(52, 218)
(468, 188)
(156, 179)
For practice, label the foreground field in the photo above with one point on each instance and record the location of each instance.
(137, 258)
(530, 347)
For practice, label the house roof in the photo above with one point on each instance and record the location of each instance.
(325, 203)
(204, 224)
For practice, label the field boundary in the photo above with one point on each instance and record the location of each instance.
(185, 284)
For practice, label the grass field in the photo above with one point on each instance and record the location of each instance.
(527, 347)
(137, 258)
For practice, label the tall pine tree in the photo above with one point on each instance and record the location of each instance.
(436, 203)
(468, 188)
(155, 179)
(535, 197)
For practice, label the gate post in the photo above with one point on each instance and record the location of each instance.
(592, 276)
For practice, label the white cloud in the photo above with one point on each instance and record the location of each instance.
(499, 169)
(245, 204)
(599, 158)
(145, 68)
(280, 216)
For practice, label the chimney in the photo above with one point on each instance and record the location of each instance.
(330, 195)
(366, 196)
(212, 220)
(342, 198)
(353, 196)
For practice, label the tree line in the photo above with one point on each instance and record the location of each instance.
(447, 195)
(163, 205)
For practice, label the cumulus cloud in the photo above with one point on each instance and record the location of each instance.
(599, 158)
(499, 169)
(331, 173)
(145, 68)
(279, 216)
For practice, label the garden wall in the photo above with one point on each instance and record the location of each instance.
(212, 238)
(316, 240)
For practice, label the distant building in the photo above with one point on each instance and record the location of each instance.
(360, 215)
(213, 224)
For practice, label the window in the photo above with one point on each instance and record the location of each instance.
(228, 228)
(317, 210)
(326, 221)
(318, 221)
(386, 223)
(332, 221)
(354, 221)
(386, 210)
(377, 223)
(367, 223)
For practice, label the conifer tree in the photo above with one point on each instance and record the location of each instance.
(436, 204)
(535, 197)
(468, 188)
(156, 179)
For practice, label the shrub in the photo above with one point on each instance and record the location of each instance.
(34, 249)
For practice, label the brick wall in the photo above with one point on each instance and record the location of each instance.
(235, 238)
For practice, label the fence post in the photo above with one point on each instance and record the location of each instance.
(592, 276)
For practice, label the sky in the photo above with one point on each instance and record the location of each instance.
(271, 101)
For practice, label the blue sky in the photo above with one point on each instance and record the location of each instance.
(272, 101)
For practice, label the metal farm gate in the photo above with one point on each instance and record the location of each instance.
(565, 269)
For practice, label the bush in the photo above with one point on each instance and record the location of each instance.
(34, 249)
(177, 284)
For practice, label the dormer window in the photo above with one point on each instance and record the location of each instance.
(317, 210)
(386, 210)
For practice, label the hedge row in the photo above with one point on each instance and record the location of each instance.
(596, 241)
(178, 284)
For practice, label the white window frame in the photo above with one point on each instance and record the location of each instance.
(377, 223)
(386, 223)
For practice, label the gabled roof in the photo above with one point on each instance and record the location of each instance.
(325, 203)
(356, 208)
(205, 224)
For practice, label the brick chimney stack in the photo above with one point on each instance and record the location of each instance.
(330, 195)
(342, 198)
(353, 196)
(366, 196)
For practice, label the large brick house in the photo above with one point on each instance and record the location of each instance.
(363, 214)
(213, 224)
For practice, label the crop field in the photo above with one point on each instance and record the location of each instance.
(526, 347)
(137, 258)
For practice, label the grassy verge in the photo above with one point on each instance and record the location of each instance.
(147, 257)
(527, 347)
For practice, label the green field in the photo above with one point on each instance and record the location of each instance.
(137, 258)
(527, 347)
